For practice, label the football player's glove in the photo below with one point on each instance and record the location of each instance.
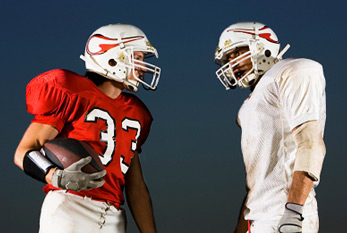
(72, 177)
(291, 221)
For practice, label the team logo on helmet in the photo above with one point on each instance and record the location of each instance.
(149, 46)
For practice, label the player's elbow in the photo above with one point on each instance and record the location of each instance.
(18, 159)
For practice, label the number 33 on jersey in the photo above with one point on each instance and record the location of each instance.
(74, 105)
(108, 136)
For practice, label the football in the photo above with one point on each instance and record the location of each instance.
(65, 151)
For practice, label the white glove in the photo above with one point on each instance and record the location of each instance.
(291, 221)
(72, 178)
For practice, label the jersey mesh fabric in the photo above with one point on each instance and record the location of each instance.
(114, 128)
(290, 93)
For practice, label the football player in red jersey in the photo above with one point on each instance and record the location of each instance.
(94, 109)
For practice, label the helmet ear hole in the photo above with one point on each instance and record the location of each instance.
(112, 62)
(267, 53)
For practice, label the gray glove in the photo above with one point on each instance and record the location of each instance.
(291, 221)
(72, 178)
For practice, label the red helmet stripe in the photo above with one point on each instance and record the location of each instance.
(104, 47)
(266, 36)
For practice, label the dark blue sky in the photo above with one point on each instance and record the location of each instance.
(192, 160)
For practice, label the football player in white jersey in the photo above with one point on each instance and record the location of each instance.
(282, 125)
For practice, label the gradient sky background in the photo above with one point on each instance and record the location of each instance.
(192, 160)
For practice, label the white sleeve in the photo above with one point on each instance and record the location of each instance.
(301, 88)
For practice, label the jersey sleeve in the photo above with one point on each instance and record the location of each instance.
(50, 101)
(302, 87)
(145, 132)
(146, 121)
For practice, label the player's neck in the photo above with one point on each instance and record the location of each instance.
(111, 88)
(255, 84)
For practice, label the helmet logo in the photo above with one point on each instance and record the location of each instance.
(217, 50)
(149, 45)
(227, 43)
(99, 44)
(266, 36)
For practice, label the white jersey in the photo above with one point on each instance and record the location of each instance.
(290, 93)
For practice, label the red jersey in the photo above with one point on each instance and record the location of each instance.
(115, 128)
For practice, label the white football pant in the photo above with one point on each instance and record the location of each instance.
(68, 213)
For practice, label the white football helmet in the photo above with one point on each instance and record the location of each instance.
(110, 53)
(263, 51)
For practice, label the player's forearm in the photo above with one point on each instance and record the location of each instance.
(309, 160)
(300, 188)
(34, 138)
(291, 220)
(242, 225)
(138, 197)
(140, 204)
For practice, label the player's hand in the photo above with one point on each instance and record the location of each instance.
(291, 221)
(72, 177)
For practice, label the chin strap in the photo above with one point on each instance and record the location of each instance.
(277, 59)
(105, 72)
